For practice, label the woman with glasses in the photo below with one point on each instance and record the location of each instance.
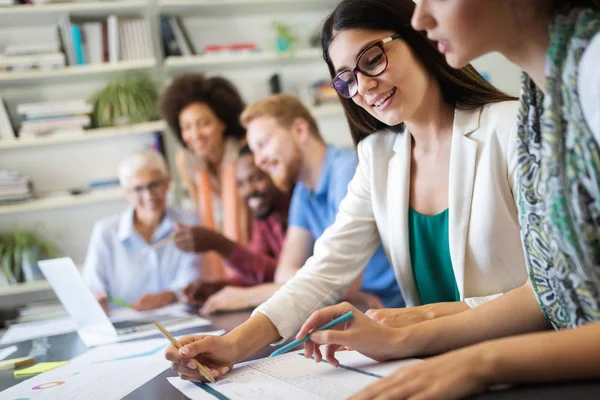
(204, 115)
(130, 257)
(434, 185)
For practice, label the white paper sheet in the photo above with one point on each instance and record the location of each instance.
(109, 372)
(4, 353)
(291, 376)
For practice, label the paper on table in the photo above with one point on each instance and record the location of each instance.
(39, 368)
(33, 330)
(7, 352)
(290, 376)
(109, 372)
(53, 327)
(354, 359)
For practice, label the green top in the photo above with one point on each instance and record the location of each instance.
(430, 257)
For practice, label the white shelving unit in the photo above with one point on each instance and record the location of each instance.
(87, 135)
(63, 201)
(240, 60)
(91, 8)
(226, 7)
(75, 72)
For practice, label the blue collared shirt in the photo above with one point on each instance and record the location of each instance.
(122, 264)
(315, 210)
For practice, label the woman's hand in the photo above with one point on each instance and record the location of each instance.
(217, 353)
(453, 375)
(229, 298)
(365, 300)
(359, 333)
(402, 317)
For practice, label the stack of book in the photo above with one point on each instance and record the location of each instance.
(14, 187)
(67, 116)
(26, 56)
(110, 40)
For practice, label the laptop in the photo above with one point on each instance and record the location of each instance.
(93, 325)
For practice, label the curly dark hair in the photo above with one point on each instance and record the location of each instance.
(217, 93)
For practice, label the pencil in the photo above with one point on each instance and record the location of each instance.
(201, 368)
(329, 325)
(119, 302)
(162, 242)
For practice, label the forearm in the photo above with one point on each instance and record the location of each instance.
(545, 357)
(169, 296)
(516, 312)
(255, 268)
(222, 245)
(438, 310)
(253, 335)
(261, 293)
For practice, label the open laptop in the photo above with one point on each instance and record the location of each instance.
(93, 325)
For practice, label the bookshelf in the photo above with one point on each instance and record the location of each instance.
(75, 72)
(243, 7)
(87, 135)
(241, 60)
(90, 8)
(63, 201)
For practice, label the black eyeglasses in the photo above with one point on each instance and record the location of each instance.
(371, 62)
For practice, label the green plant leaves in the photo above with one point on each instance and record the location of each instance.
(127, 99)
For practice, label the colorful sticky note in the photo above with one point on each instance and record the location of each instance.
(39, 368)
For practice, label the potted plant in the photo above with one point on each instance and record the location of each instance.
(127, 99)
(19, 253)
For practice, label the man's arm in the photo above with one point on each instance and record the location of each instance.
(254, 268)
(297, 248)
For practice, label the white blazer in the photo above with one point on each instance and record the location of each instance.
(485, 245)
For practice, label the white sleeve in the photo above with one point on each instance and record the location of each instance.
(589, 86)
(339, 256)
(96, 262)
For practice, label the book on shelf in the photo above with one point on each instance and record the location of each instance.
(58, 117)
(6, 129)
(175, 39)
(14, 187)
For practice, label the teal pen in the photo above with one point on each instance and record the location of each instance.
(328, 325)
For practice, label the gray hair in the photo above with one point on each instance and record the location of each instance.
(140, 160)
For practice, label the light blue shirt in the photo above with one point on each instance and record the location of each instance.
(315, 210)
(122, 264)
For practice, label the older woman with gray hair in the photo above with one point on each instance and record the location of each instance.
(125, 260)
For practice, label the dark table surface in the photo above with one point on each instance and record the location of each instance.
(65, 347)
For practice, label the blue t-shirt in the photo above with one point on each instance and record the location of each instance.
(315, 210)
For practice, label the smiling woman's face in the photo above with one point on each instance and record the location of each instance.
(396, 94)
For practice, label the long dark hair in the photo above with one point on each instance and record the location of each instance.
(463, 88)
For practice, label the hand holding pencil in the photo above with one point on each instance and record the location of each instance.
(217, 353)
(359, 333)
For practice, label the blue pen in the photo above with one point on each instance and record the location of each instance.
(329, 325)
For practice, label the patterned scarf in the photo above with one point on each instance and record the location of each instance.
(559, 181)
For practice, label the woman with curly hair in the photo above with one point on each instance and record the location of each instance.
(204, 114)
